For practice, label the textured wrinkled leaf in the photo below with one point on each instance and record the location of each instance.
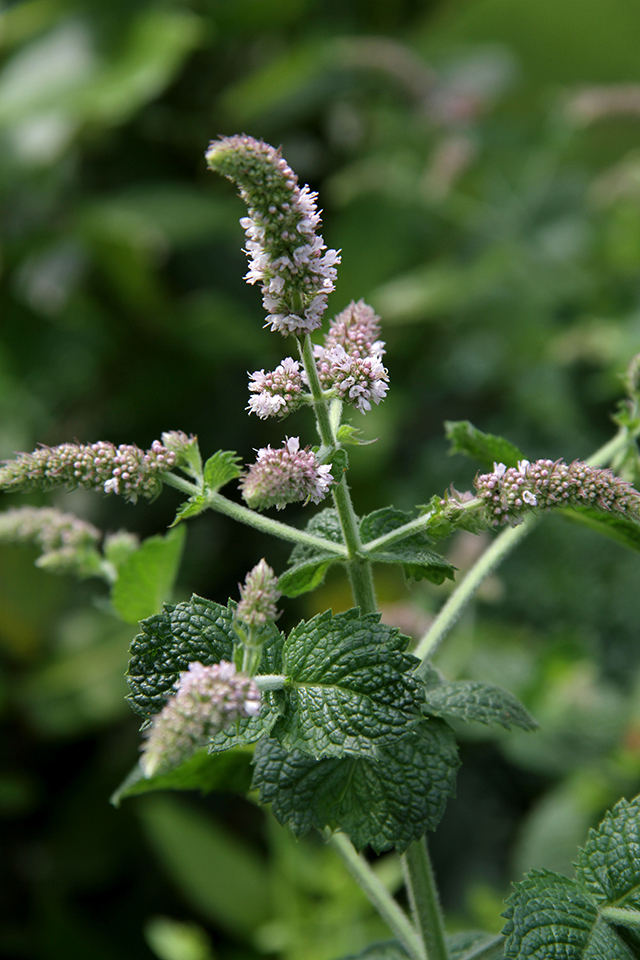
(620, 529)
(197, 629)
(472, 700)
(389, 950)
(349, 688)
(609, 863)
(308, 564)
(549, 917)
(390, 801)
(485, 447)
(475, 945)
(203, 771)
(147, 576)
(191, 508)
(413, 552)
(219, 469)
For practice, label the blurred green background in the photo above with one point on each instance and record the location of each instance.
(478, 162)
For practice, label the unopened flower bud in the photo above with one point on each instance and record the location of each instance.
(284, 476)
(509, 493)
(259, 596)
(207, 699)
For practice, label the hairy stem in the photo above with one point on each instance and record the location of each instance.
(379, 896)
(423, 896)
(358, 568)
(282, 530)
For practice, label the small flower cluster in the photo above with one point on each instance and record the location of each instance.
(284, 476)
(207, 699)
(285, 253)
(259, 596)
(126, 469)
(278, 392)
(67, 543)
(508, 493)
(350, 362)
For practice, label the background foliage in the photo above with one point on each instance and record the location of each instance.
(485, 191)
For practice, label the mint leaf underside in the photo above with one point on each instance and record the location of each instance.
(390, 801)
(308, 564)
(219, 469)
(485, 447)
(550, 916)
(473, 700)
(349, 688)
(203, 771)
(620, 529)
(413, 552)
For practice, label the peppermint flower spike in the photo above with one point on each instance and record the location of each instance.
(68, 544)
(286, 475)
(207, 699)
(279, 392)
(286, 255)
(509, 493)
(259, 596)
(126, 470)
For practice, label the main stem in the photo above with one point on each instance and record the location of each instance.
(423, 896)
(358, 568)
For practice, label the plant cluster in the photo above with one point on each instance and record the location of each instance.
(349, 732)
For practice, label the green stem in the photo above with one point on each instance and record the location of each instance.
(270, 681)
(499, 548)
(413, 526)
(379, 896)
(621, 915)
(359, 569)
(282, 530)
(423, 896)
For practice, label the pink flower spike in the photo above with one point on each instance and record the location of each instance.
(285, 476)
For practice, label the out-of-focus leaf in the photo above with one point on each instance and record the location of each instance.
(219, 876)
(147, 576)
(623, 531)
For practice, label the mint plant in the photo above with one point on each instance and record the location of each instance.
(349, 731)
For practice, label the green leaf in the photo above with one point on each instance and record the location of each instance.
(485, 447)
(304, 577)
(196, 629)
(147, 576)
(472, 700)
(389, 950)
(475, 945)
(625, 532)
(413, 551)
(308, 564)
(609, 863)
(549, 916)
(230, 771)
(219, 875)
(219, 469)
(191, 508)
(349, 689)
(388, 801)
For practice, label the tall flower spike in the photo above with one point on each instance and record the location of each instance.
(279, 477)
(207, 699)
(126, 470)
(285, 253)
(259, 596)
(350, 362)
(509, 493)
